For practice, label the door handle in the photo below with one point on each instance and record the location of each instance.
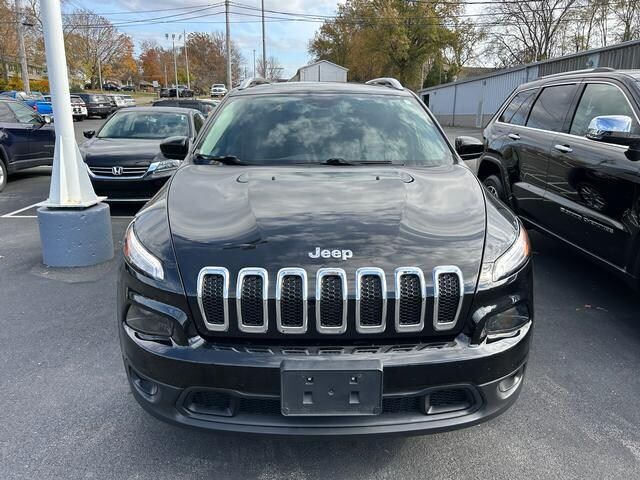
(563, 148)
(514, 136)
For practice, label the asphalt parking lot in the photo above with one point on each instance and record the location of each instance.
(67, 411)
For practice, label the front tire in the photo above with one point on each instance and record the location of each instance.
(3, 175)
(495, 187)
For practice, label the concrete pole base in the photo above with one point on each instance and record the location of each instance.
(73, 237)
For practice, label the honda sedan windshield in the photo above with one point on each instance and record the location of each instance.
(290, 129)
(151, 125)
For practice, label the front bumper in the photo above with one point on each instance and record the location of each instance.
(165, 379)
(135, 189)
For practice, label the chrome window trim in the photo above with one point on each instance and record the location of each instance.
(571, 135)
(214, 327)
(437, 272)
(398, 274)
(374, 271)
(302, 273)
(260, 272)
(320, 274)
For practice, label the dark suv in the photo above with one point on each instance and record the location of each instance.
(324, 264)
(564, 153)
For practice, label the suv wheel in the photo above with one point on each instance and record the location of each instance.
(495, 187)
(3, 175)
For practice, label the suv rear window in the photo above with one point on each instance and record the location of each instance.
(286, 129)
(517, 110)
(551, 107)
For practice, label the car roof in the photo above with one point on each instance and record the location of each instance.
(319, 87)
(593, 73)
(158, 109)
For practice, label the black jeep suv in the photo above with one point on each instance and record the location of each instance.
(324, 264)
(564, 153)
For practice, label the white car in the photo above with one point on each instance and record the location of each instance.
(118, 100)
(78, 107)
(218, 90)
(128, 100)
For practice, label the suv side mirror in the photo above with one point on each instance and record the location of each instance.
(469, 147)
(175, 148)
(89, 133)
(612, 129)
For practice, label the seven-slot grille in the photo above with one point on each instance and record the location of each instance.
(331, 294)
(125, 172)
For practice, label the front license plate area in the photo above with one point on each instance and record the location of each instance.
(331, 388)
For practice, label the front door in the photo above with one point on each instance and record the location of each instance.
(15, 138)
(592, 184)
(41, 136)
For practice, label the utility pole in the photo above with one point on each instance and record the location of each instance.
(175, 60)
(228, 45)
(166, 82)
(186, 57)
(100, 74)
(21, 50)
(75, 227)
(264, 47)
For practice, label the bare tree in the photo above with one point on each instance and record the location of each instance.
(271, 70)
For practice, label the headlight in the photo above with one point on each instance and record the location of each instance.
(164, 165)
(140, 257)
(509, 262)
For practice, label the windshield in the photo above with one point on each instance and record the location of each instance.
(98, 98)
(151, 125)
(282, 129)
(36, 96)
(76, 100)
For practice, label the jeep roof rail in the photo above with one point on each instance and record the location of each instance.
(252, 82)
(585, 70)
(386, 82)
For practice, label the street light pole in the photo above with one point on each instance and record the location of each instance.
(21, 50)
(175, 60)
(75, 227)
(228, 44)
(186, 57)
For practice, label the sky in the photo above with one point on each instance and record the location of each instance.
(287, 41)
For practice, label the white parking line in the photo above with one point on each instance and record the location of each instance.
(13, 214)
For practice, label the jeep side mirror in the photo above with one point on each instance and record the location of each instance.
(612, 129)
(469, 147)
(175, 148)
(89, 133)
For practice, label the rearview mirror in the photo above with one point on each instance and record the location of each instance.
(469, 147)
(175, 148)
(612, 129)
(89, 133)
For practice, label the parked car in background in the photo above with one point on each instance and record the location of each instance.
(35, 100)
(123, 157)
(129, 88)
(118, 100)
(218, 90)
(111, 87)
(164, 93)
(98, 105)
(564, 153)
(78, 108)
(204, 106)
(129, 101)
(26, 138)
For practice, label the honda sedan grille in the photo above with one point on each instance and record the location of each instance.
(331, 305)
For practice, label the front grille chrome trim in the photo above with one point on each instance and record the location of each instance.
(282, 273)
(398, 274)
(321, 273)
(437, 272)
(371, 271)
(260, 272)
(215, 327)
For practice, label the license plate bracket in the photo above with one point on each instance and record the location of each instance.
(331, 388)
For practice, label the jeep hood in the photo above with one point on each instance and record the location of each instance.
(235, 217)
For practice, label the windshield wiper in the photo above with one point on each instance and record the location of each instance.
(224, 159)
(342, 161)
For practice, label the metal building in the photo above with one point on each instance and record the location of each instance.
(321, 71)
(473, 101)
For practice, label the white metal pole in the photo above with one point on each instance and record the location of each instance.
(228, 45)
(186, 58)
(175, 64)
(24, 67)
(70, 184)
(264, 46)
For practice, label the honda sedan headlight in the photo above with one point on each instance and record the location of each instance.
(139, 257)
(508, 263)
(165, 165)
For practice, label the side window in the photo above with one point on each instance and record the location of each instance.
(551, 107)
(6, 116)
(517, 110)
(198, 121)
(23, 113)
(600, 99)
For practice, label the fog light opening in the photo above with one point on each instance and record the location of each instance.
(148, 322)
(143, 385)
(507, 386)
